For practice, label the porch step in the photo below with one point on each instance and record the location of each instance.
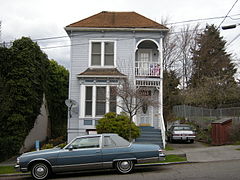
(149, 135)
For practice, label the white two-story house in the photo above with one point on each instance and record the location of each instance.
(106, 48)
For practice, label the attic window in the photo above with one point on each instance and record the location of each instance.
(102, 53)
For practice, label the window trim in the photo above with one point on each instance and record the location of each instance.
(94, 96)
(102, 54)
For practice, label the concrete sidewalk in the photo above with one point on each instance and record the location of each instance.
(208, 154)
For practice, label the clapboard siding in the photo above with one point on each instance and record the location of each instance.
(126, 44)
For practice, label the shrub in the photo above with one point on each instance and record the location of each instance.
(235, 134)
(119, 124)
(47, 146)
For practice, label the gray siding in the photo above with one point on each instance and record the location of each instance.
(125, 62)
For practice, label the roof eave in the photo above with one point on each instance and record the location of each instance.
(101, 76)
(114, 29)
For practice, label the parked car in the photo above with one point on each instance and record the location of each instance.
(181, 132)
(89, 152)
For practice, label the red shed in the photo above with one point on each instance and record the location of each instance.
(221, 131)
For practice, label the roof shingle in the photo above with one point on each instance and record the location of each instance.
(107, 19)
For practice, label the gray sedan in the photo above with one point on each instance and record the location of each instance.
(181, 132)
(89, 152)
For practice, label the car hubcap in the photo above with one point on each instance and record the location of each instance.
(125, 166)
(40, 171)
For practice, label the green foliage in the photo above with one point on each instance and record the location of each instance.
(212, 82)
(25, 75)
(7, 170)
(47, 146)
(235, 134)
(170, 93)
(56, 94)
(210, 59)
(119, 124)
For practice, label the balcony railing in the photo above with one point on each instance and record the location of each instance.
(147, 69)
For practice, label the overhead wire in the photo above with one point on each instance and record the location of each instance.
(227, 13)
(179, 22)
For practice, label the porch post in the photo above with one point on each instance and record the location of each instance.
(161, 120)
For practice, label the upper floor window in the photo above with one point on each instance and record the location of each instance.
(102, 53)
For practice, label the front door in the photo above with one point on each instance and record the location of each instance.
(145, 116)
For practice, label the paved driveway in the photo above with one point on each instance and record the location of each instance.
(199, 152)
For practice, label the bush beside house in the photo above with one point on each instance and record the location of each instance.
(119, 124)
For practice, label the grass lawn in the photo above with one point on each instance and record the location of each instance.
(174, 158)
(7, 170)
(169, 148)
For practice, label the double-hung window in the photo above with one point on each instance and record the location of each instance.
(102, 53)
(99, 100)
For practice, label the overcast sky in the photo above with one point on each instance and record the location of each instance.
(47, 18)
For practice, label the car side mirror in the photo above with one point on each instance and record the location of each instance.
(70, 148)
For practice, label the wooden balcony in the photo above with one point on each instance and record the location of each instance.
(147, 69)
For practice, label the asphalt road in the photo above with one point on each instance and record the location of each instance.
(197, 171)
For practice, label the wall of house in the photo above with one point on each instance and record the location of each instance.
(125, 60)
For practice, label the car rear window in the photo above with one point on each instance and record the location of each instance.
(120, 142)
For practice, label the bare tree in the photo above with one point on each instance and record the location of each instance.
(177, 48)
(171, 53)
(132, 99)
(186, 44)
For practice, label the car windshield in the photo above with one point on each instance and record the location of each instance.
(181, 128)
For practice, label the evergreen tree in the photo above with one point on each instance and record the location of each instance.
(212, 83)
(23, 70)
(56, 94)
(210, 59)
(170, 93)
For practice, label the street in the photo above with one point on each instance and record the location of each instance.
(198, 171)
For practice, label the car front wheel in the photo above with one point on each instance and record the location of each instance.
(40, 171)
(125, 166)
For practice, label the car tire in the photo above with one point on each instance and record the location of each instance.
(191, 141)
(124, 166)
(40, 171)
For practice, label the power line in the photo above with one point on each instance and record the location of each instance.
(204, 19)
(61, 37)
(227, 13)
(235, 38)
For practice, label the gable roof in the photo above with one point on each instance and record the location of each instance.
(106, 19)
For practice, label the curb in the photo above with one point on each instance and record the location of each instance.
(15, 174)
(162, 164)
(137, 165)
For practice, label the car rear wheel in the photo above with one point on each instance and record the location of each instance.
(40, 171)
(125, 166)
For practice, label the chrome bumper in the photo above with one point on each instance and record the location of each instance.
(17, 167)
(162, 157)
